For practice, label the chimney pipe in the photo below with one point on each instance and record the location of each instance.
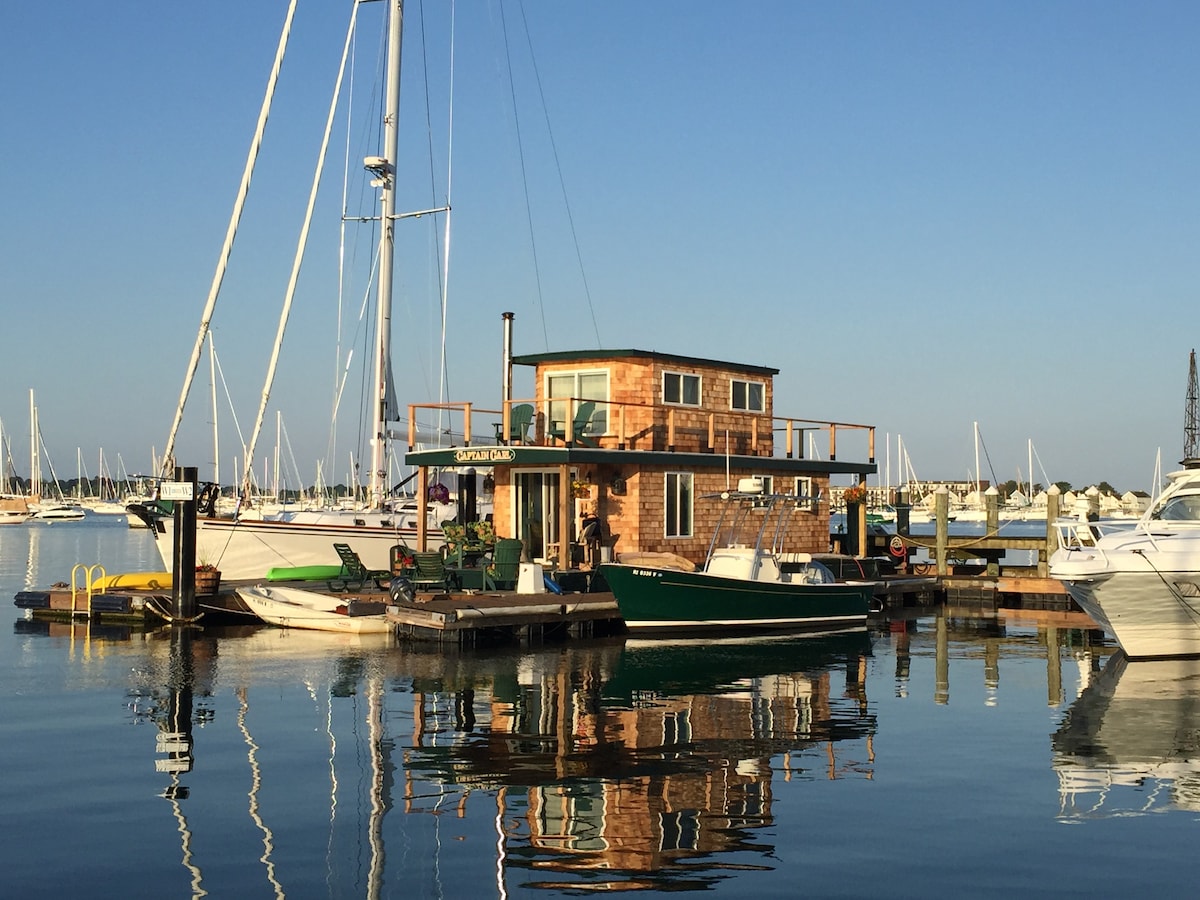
(506, 378)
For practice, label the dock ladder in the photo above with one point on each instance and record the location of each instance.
(91, 579)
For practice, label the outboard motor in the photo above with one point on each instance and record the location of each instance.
(402, 591)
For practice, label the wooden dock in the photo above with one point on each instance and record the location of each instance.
(462, 617)
(470, 618)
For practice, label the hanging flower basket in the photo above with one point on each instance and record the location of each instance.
(854, 494)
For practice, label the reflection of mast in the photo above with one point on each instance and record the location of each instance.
(175, 740)
(501, 844)
(378, 788)
(255, 784)
(173, 794)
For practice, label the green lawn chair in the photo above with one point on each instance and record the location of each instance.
(429, 572)
(400, 558)
(580, 424)
(354, 574)
(501, 574)
(454, 540)
(520, 417)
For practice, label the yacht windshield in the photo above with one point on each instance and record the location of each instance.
(1183, 508)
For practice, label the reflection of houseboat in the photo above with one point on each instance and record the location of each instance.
(622, 774)
(637, 437)
(1130, 743)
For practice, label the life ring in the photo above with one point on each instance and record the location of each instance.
(896, 546)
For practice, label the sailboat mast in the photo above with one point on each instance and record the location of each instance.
(386, 179)
(227, 248)
(35, 462)
(978, 480)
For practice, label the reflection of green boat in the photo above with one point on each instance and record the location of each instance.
(706, 666)
(742, 584)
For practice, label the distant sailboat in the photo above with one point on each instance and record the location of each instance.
(14, 507)
(59, 510)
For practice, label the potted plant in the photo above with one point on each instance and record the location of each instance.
(854, 494)
(208, 578)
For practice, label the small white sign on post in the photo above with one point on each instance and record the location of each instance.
(176, 490)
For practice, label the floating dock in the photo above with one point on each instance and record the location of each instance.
(471, 617)
(466, 618)
(462, 617)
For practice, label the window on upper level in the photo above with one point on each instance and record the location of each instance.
(681, 389)
(750, 396)
(584, 386)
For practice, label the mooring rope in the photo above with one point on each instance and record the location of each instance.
(152, 605)
(1192, 612)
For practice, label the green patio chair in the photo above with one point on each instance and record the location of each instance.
(429, 572)
(520, 417)
(354, 574)
(580, 424)
(501, 574)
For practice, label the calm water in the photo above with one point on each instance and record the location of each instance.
(938, 756)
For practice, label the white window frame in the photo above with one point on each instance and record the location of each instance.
(803, 488)
(748, 385)
(674, 496)
(557, 409)
(683, 378)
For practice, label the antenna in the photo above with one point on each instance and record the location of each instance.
(1189, 416)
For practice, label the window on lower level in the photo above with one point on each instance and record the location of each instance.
(807, 496)
(679, 499)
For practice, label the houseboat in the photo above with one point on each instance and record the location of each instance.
(635, 439)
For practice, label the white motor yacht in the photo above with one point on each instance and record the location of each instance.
(1140, 580)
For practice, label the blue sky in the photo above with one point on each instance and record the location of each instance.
(924, 214)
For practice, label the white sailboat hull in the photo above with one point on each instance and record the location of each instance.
(248, 549)
(295, 608)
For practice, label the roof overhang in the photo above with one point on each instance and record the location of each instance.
(544, 457)
(578, 356)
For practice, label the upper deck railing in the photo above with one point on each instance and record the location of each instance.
(619, 425)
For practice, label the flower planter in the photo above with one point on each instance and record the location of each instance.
(207, 581)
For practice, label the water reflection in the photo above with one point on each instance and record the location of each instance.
(606, 764)
(1130, 744)
(636, 760)
(1012, 634)
(288, 759)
